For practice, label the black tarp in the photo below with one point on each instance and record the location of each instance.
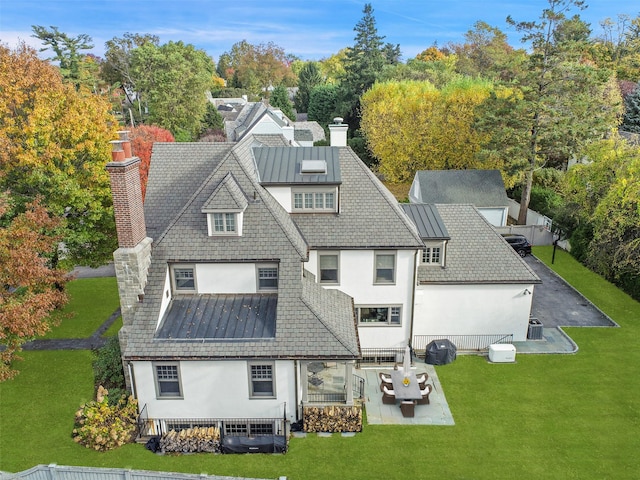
(440, 352)
(262, 444)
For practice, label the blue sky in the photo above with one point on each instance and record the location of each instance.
(309, 29)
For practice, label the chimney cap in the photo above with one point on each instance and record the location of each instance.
(116, 145)
(338, 120)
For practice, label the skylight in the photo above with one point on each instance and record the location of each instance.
(313, 166)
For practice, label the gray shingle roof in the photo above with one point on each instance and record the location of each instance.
(427, 219)
(283, 165)
(176, 171)
(369, 215)
(311, 322)
(476, 253)
(482, 188)
(314, 127)
(227, 195)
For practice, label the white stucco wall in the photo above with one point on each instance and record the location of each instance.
(216, 389)
(472, 310)
(496, 216)
(356, 271)
(221, 278)
(282, 196)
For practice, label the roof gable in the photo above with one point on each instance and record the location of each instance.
(482, 188)
(228, 196)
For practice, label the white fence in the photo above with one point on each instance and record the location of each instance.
(538, 227)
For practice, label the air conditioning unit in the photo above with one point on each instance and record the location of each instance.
(502, 353)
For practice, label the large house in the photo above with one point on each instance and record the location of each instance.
(251, 263)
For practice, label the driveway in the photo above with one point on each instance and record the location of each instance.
(557, 304)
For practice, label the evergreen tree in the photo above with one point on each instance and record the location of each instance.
(308, 78)
(280, 99)
(631, 119)
(322, 104)
(363, 63)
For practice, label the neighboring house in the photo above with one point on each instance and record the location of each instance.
(482, 188)
(257, 118)
(470, 282)
(253, 262)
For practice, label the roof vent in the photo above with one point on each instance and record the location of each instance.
(313, 166)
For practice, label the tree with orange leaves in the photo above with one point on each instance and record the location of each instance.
(142, 140)
(30, 289)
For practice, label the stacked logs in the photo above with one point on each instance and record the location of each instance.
(332, 419)
(191, 440)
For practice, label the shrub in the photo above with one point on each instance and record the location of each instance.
(103, 427)
(108, 370)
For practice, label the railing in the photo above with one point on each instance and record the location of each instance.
(327, 398)
(358, 386)
(464, 343)
(381, 356)
(238, 427)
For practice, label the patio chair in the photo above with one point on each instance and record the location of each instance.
(385, 381)
(422, 380)
(388, 396)
(408, 408)
(425, 395)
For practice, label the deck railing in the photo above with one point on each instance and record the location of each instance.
(464, 343)
(238, 427)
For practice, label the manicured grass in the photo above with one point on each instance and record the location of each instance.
(546, 416)
(91, 302)
(114, 328)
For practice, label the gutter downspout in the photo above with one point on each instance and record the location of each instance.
(413, 295)
(132, 379)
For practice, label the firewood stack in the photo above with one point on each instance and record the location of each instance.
(332, 419)
(191, 440)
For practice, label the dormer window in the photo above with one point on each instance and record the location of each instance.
(224, 223)
(433, 253)
(314, 199)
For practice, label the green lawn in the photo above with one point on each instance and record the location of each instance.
(91, 302)
(546, 416)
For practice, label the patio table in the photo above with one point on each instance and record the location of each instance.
(409, 392)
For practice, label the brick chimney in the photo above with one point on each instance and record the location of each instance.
(126, 192)
(338, 133)
(133, 256)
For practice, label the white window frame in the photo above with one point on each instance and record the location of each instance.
(158, 381)
(174, 280)
(228, 218)
(314, 199)
(258, 378)
(320, 269)
(380, 280)
(393, 312)
(433, 254)
(264, 266)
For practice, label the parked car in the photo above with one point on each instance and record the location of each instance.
(519, 243)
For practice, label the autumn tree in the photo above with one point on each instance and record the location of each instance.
(174, 78)
(602, 211)
(142, 139)
(412, 126)
(487, 53)
(258, 67)
(561, 104)
(54, 143)
(31, 287)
